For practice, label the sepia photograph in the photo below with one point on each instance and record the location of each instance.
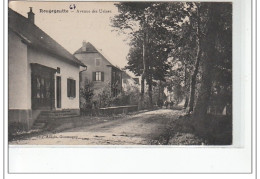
(120, 73)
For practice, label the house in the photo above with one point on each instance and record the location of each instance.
(100, 70)
(129, 83)
(131, 89)
(42, 75)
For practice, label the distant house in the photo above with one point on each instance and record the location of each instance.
(100, 70)
(42, 75)
(129, 83)
(131, 89)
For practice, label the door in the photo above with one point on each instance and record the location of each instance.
(58, 91)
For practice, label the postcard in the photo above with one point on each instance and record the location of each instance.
(130, 75)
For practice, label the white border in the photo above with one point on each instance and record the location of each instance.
(159, 159)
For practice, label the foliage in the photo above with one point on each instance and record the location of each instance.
(103, 97)
(132, 92)
(149, 26)
(184, 44)
(158, 93)
(86, 93)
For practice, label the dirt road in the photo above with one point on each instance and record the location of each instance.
(139, 129)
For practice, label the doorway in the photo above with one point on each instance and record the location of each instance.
(42, 87)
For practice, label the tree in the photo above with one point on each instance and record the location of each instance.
(194, 46)
(196, 36)
(157, 66)
(150, 27)
(198, 57)
(133, 16)
(219, 18)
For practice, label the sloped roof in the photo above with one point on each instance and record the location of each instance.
(89, 48)
(125, 75)
(33, 36)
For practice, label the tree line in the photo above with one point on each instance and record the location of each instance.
(184, 46)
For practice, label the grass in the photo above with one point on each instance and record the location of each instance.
(215, 130)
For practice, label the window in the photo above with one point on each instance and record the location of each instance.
(98, 61)
(71, 88)
(98, 76)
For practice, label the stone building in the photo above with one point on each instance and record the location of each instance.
(100, 70)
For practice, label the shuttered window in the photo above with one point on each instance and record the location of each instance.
(98, 76)
(71, 88)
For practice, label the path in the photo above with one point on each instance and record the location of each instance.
(139, 129)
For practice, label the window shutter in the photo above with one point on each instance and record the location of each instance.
(68, 87)
(102, 76)
(93, 76)
(74, 88)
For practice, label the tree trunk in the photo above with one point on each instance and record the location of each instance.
(150, 92)
(196, 70)
(186, 88)
(186, 102)
(194, 81)
(141, 99)
(160, 96)
(201, 107)
(159, 91)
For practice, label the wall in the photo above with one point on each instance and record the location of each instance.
(19, 99)
(66, 71)
(17, 73)
(89, 60)
(19, 81)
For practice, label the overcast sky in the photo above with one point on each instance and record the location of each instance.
(70, 29)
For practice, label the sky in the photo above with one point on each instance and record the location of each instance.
(70, 29)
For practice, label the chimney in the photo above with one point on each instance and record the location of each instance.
(84, 45)
(31, 16)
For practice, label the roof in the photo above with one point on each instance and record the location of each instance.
(33, 36)
(89, 48)
(125, 75)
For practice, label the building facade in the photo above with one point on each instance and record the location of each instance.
(100, 70)
(42, 75)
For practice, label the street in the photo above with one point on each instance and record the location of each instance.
(137, 129)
